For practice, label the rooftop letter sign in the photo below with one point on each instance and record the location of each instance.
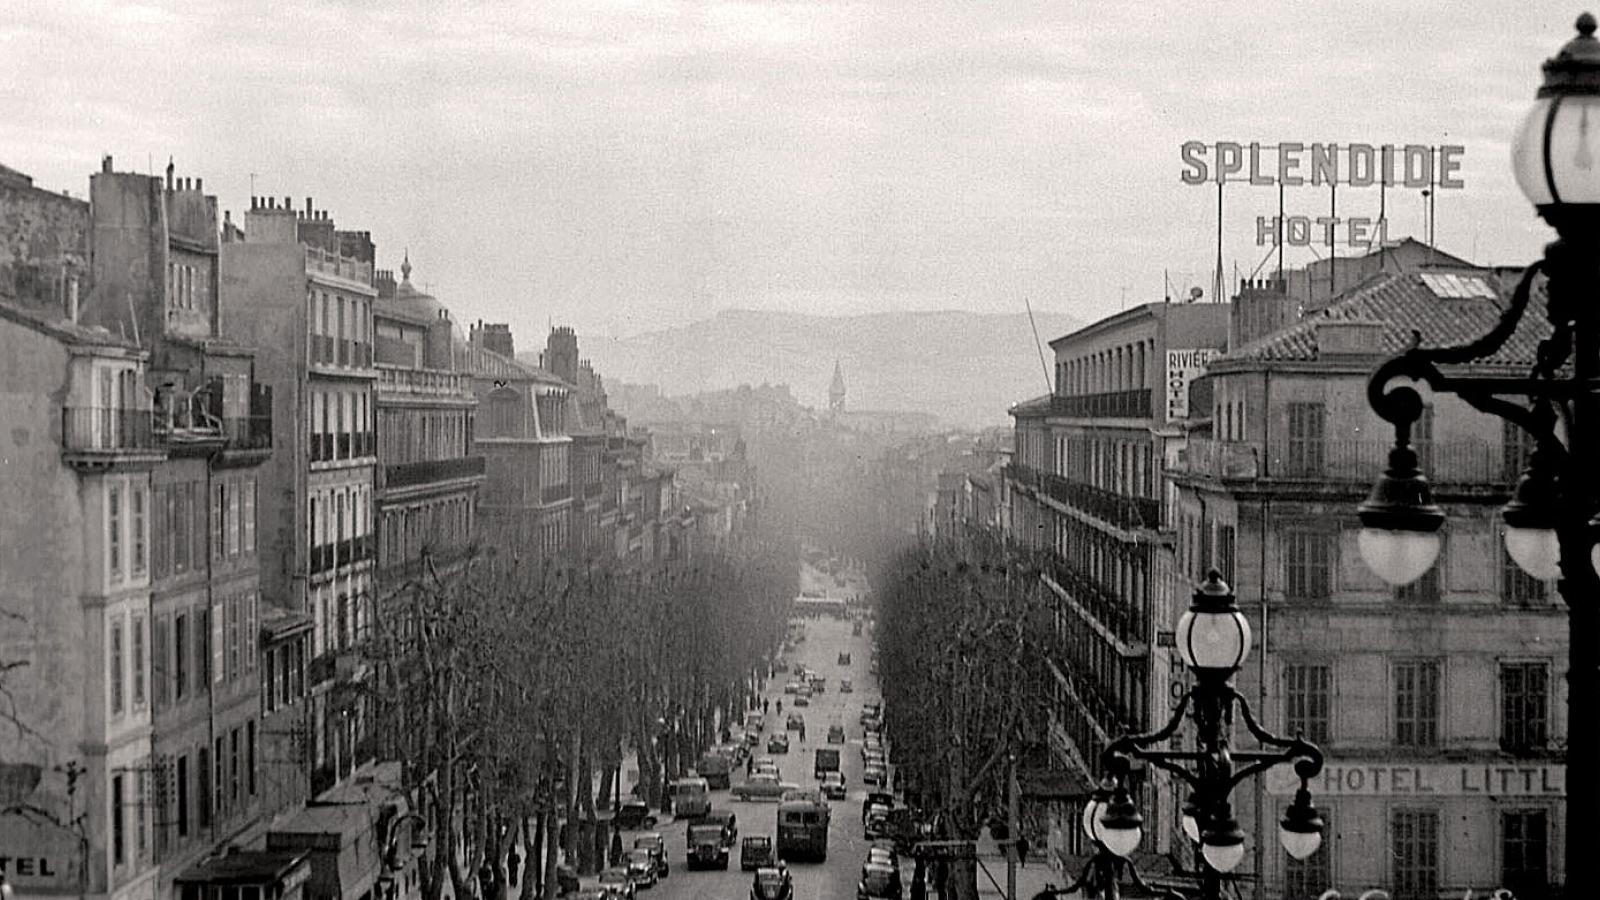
(1331, 165)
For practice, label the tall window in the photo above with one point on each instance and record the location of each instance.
(180, 656)
(160, 667)
(1305, 452)
(183, 796)
(1524, 698)
(1307, 697)
(1225, 551)
(138, 539)
(1308, 564)
(1524, 852)
(116, 682)
(137, 663)
(250, 751)
(1416, 703)
(180, 499)
(119, 837)
(114, 528)
(1516, 445)
(1312, 876)
(1414, 845)
(219, 520)
(234, 526)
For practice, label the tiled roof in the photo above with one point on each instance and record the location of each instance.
(1403, 302)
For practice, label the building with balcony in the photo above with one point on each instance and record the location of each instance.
(1084, 488)
(301, 292)
(140, 505)
(1438, 705)
(520, 428)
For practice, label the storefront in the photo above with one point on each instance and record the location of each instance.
(247, 875)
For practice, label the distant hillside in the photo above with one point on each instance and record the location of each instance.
(965, 368)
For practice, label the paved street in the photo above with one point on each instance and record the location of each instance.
(836, 878)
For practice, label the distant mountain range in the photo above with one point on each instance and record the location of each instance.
(966, 368)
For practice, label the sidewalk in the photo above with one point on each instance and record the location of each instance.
(1031, 879)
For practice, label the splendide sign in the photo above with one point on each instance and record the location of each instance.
(1427, 779)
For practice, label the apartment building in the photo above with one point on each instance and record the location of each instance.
(302, 293)
(1439, 705)
(1085, 490)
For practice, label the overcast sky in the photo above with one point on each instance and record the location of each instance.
(626, 166)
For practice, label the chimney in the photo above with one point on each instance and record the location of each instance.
(308, 207)
(197, 184)
(288, 203)
(169, 173)
(105, 164)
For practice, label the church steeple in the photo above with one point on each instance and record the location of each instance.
(836, 390)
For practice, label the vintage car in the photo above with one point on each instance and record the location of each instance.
(802, 700)
(762, 787)
(833, 786)
(844, 659)
(619, 881)
(708, 846)
(634, 813)
(778, 743)
(875, 773)
(836, 734)
(877, 825)
(657, 845)
(772, 884)
(878, 881)
(795, 721)
(756, 852)
(876, 798)
(846, 686)
(642, 868)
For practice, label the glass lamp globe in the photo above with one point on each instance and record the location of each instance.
(1535, 550)
(1091, 817)
(1553, 153)
(1223, 858)
(1121, 826)
(1213, 640)
(1191, 828)
(1398, 557)
(1299, 844)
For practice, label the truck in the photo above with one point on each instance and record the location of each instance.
(827, 760)
(715, 768)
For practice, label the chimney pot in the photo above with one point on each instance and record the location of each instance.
(288, 203)
(197, 184)
(105, 164)
(308, 206)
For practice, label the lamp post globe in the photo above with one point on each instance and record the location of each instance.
(1300, 830)
(1092, 811)
(1399, 538)
(1213, 635)
(1191, 819)
(1552, 154)
(1222, 844)
(1531, 519)
(1121, 825)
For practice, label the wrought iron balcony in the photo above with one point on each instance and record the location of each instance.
(431, 471)
(554, 493)
(1348, 462)
(1115, 509)
(1108, 405)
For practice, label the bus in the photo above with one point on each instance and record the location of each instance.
(820, 606)
(803, 829)
(691, 798)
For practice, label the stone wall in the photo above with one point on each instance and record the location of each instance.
(44, 239)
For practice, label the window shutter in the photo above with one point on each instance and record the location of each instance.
(217, 645)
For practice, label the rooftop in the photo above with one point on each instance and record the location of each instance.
(1444, 307)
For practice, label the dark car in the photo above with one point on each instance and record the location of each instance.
(876, 798)
(566, 878)
(802, 700)
(835, 734)
(795, 721)
(844, 659)
(878, 881)
(756, 852)
(846, 686)
(708, 846)
(875, 774)
(772, 884)
(778, 743)
(633, 813)
(657, 845)
(833, 786)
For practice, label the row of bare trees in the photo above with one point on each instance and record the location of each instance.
(962, 636)
(509, 694)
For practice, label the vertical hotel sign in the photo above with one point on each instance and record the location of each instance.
(1183, 366)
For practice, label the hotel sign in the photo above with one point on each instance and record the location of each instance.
(1295, 164)
(1182, 367)
(1428, 779)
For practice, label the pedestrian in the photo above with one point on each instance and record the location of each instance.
(749, 765)
(616, 848)
(1022, 851)
(765, 704)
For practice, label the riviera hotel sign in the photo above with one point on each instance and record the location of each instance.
(1293, 164)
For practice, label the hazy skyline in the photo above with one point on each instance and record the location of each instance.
(622, 167)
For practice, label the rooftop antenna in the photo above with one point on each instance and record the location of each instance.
(1049, 386)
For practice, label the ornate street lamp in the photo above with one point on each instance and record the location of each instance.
(1214, 640)
(1551, 521)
